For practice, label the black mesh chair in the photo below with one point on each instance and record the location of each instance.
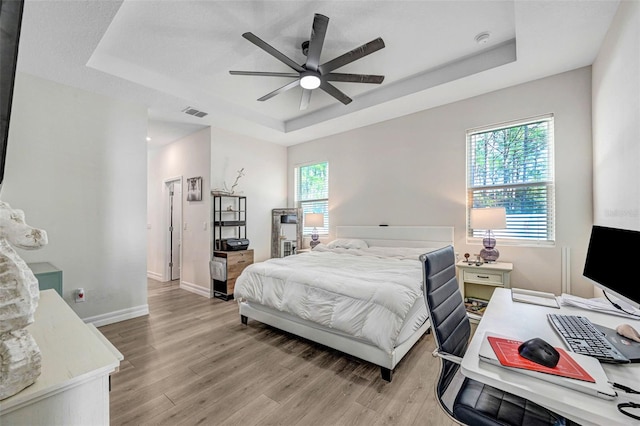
(474, 403)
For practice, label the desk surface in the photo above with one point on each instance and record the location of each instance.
(523, 321)
(71, 352)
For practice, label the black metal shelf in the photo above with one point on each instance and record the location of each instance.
(232, 218)
(230, 223)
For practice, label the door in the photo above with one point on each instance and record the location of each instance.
(175, 228)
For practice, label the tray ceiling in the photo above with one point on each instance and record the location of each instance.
(172, 55)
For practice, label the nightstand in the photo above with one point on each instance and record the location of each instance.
(235, 262)
(478, 282)
(48, 276)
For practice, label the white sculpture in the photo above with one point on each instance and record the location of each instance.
(20, 359)
(227, 191)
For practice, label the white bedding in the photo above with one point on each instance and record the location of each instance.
(366, 293)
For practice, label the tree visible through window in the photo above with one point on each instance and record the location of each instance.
(512, 167)
(312, 192)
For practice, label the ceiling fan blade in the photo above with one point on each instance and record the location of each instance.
(333, 91)
(306, 98)
(272, 51)
(318, 31)
(352, 55)
(265, 74)
(354, 78)
(284, 88)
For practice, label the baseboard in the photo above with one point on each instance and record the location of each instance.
(117, 316)
(195, 289)
(154, 276)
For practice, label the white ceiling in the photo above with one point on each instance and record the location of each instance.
(171, 54)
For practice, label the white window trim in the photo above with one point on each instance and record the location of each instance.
(504, 241)
(322, 231)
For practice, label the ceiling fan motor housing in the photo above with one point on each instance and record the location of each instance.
(310, 80)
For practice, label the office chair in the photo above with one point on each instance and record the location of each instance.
(475, 403)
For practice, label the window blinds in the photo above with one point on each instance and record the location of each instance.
(312, 193)
(511, 166)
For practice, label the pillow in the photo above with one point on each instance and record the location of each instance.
(348, 243)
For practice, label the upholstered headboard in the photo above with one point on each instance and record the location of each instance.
(399, 236)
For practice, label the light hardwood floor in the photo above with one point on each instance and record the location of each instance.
(192, 362)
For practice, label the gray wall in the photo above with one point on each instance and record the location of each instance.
(616, 123)
(411, 171)
(216, 155)
(76, 165)
(188, 157)
(264, 183)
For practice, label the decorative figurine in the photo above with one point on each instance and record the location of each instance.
(20, 358)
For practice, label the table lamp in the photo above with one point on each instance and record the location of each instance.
(315, 220)
(489, 218)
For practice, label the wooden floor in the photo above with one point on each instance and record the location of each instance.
(192, 362)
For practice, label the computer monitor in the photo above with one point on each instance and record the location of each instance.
(10, 21)
(609, 256)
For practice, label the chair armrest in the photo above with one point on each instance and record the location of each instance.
(447, 356)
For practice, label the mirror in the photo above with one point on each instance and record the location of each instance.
(286, 231)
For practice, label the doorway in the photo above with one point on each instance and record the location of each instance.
(173, 230)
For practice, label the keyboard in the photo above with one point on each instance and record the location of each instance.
(580, 335)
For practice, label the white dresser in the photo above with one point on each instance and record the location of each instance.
(73, 387)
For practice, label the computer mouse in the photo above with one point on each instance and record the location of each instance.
(540, 352)
(626, 330)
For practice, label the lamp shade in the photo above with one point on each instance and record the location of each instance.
(314, 219)
(489, 218)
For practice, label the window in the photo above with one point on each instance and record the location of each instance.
(511, 166)
(312, 193)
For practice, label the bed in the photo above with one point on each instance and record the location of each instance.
(360, 294)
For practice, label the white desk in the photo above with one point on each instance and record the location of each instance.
(523, 321)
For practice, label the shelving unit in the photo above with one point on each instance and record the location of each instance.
(229, 218)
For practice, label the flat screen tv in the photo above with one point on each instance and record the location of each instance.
(605, 264)
(10, 22)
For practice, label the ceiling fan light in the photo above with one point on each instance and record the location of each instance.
(310, 82)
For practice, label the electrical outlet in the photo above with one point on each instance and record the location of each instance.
(80, 295)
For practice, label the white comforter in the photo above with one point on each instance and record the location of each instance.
(364, 293)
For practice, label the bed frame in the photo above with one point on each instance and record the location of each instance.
(385, 236)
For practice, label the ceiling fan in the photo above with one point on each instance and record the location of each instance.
(312, 75)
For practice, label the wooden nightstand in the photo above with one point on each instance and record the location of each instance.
(478, 282)
(236, 261)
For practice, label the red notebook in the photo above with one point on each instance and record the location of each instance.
(507, 352)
